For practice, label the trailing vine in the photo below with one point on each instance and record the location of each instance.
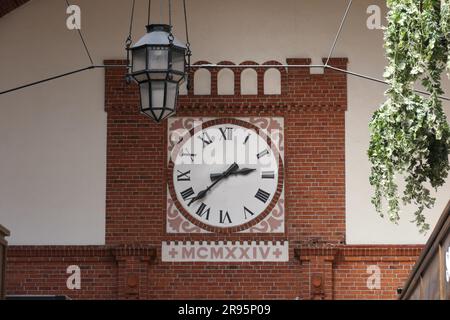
(410, 135)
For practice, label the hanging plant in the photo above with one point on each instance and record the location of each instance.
(410, 133)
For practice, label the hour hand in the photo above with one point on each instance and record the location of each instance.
(242, 172)
(233, 168)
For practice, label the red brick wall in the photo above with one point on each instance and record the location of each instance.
(346, 269)
(6, 6)
(134, 272)
(43, 271)
(350, 277)
(320, 265)
(314, 110)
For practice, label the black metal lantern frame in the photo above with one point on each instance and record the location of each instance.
(159, 67)
(162, 113)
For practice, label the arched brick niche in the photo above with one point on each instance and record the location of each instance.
(251, 80)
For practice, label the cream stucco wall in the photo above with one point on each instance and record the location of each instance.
(53, 136)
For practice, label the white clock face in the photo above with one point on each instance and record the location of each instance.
(226, 175)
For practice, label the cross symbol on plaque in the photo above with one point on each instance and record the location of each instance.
(277, 253)
(173, 253)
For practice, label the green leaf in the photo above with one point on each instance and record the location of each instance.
(410, 135)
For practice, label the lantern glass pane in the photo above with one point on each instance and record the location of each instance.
(145, 97)
(158, 94)
(158, 113)
(141, 77)
(158, 58)
(157, 75)
(177, 77)
(139, 60)
(167, 113)
(171, 95)
(178, 62)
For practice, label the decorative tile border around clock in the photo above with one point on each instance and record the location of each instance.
(221, 251)
(273, 223)
(271, 126)
(176, 223)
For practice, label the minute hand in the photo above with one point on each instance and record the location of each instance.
(203, 193)
(243, 172)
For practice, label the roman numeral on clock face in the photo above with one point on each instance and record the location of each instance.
(206, 139)
(184, 176)
(225, 217)
(248, 211)
(227, 133)
(262, 195)
(268, 175)
(263, 153)
(186, 153)
(202, 212)
(246, 139)
(186, 194)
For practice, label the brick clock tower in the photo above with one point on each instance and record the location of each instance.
(181, 225)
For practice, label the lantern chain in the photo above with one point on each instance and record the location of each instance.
(149, 11)
(129, 41)
(171, 37)
(170, 12)
(188, 46)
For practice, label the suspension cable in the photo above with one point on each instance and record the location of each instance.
(344, 18)
(129, 41)
(46, 80)
(206, 66)
(82, 39)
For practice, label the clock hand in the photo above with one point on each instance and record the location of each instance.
(243, 172)
(225, 174)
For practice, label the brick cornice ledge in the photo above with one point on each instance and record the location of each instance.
(303, 253)
(253, 107)
(143, 251)
(188, 107)
(306, 253)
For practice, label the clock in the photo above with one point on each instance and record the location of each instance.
(225, 175)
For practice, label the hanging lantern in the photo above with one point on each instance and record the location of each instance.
(159, 67)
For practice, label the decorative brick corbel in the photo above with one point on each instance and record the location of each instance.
(318, 262)
(133, 263)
